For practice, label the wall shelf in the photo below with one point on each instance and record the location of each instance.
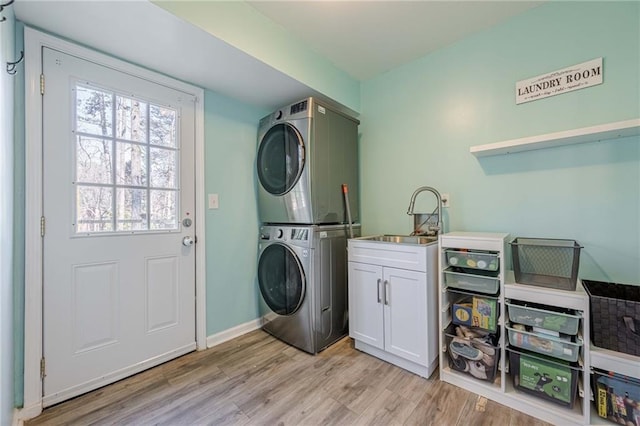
(600, 132)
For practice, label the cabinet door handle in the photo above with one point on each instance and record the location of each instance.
(386, 292)
(379, 296)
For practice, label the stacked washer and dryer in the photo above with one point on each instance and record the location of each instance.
(307, 151)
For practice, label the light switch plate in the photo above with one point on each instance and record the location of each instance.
(213, 201)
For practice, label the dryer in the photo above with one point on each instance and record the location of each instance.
(306, 151)
(302, 276)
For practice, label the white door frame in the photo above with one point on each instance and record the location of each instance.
(34, 42)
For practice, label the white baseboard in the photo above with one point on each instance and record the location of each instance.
(20, 415)
(233, 332)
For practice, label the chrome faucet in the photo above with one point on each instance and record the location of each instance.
(438, 227)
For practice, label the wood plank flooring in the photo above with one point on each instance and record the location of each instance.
(258, 380)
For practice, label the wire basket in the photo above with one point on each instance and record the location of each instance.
(546, 262)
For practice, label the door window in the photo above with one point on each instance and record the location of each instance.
(126, 163)
(280, 159)
(281, 279)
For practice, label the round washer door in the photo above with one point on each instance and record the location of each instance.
(280, 159)
(281, 279)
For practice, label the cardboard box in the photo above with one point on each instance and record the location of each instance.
(484, 313)
(462, 313)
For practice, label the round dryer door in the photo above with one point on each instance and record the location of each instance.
(280, 159)
(281, 279)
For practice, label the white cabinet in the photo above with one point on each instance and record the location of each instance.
(366, 310)
(392, 310)
(389, 309)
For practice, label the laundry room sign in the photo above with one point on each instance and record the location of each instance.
(561, 81)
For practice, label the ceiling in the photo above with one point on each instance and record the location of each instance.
(367, 38)
(363, 38)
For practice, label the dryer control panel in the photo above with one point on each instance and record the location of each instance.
(301, 234)
(292, 234)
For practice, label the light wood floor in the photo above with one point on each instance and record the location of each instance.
(258, 380)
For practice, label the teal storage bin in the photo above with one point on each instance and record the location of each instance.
(558, 347)
(547, 317)
(473, 259)
(479, 281)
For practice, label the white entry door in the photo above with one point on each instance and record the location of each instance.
(118, 182)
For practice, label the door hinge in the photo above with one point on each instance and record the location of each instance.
(42, 368)
(42, 84)
(42, 226)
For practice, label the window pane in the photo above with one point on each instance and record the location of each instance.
(94, 111)
(127, 147)
(93, 160)
(163, 168)
(162, 126)
(94, 209)
(131, 119)
(131, 164)
(131, 206)
(163, 210)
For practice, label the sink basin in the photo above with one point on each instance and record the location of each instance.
(401, 239)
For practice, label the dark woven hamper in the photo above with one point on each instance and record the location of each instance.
(615, 316)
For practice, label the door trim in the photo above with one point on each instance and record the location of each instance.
(34, 41)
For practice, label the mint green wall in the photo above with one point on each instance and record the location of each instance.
(18, 227)
(243, 27)
(7, 90)
(419, 120)
(232, 230)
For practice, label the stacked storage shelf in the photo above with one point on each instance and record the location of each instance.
(544, 350)
(565, 312)
(562, 308)
(472, 283)
(471, 309)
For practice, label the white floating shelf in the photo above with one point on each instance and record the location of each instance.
(600, 132)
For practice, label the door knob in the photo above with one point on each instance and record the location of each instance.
(187, 241)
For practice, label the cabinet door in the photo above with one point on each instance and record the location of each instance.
(365, 304)
(405, 314)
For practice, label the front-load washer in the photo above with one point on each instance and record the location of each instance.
(302, 276)
(306, 152)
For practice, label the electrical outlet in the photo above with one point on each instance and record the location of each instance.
(446, 200)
